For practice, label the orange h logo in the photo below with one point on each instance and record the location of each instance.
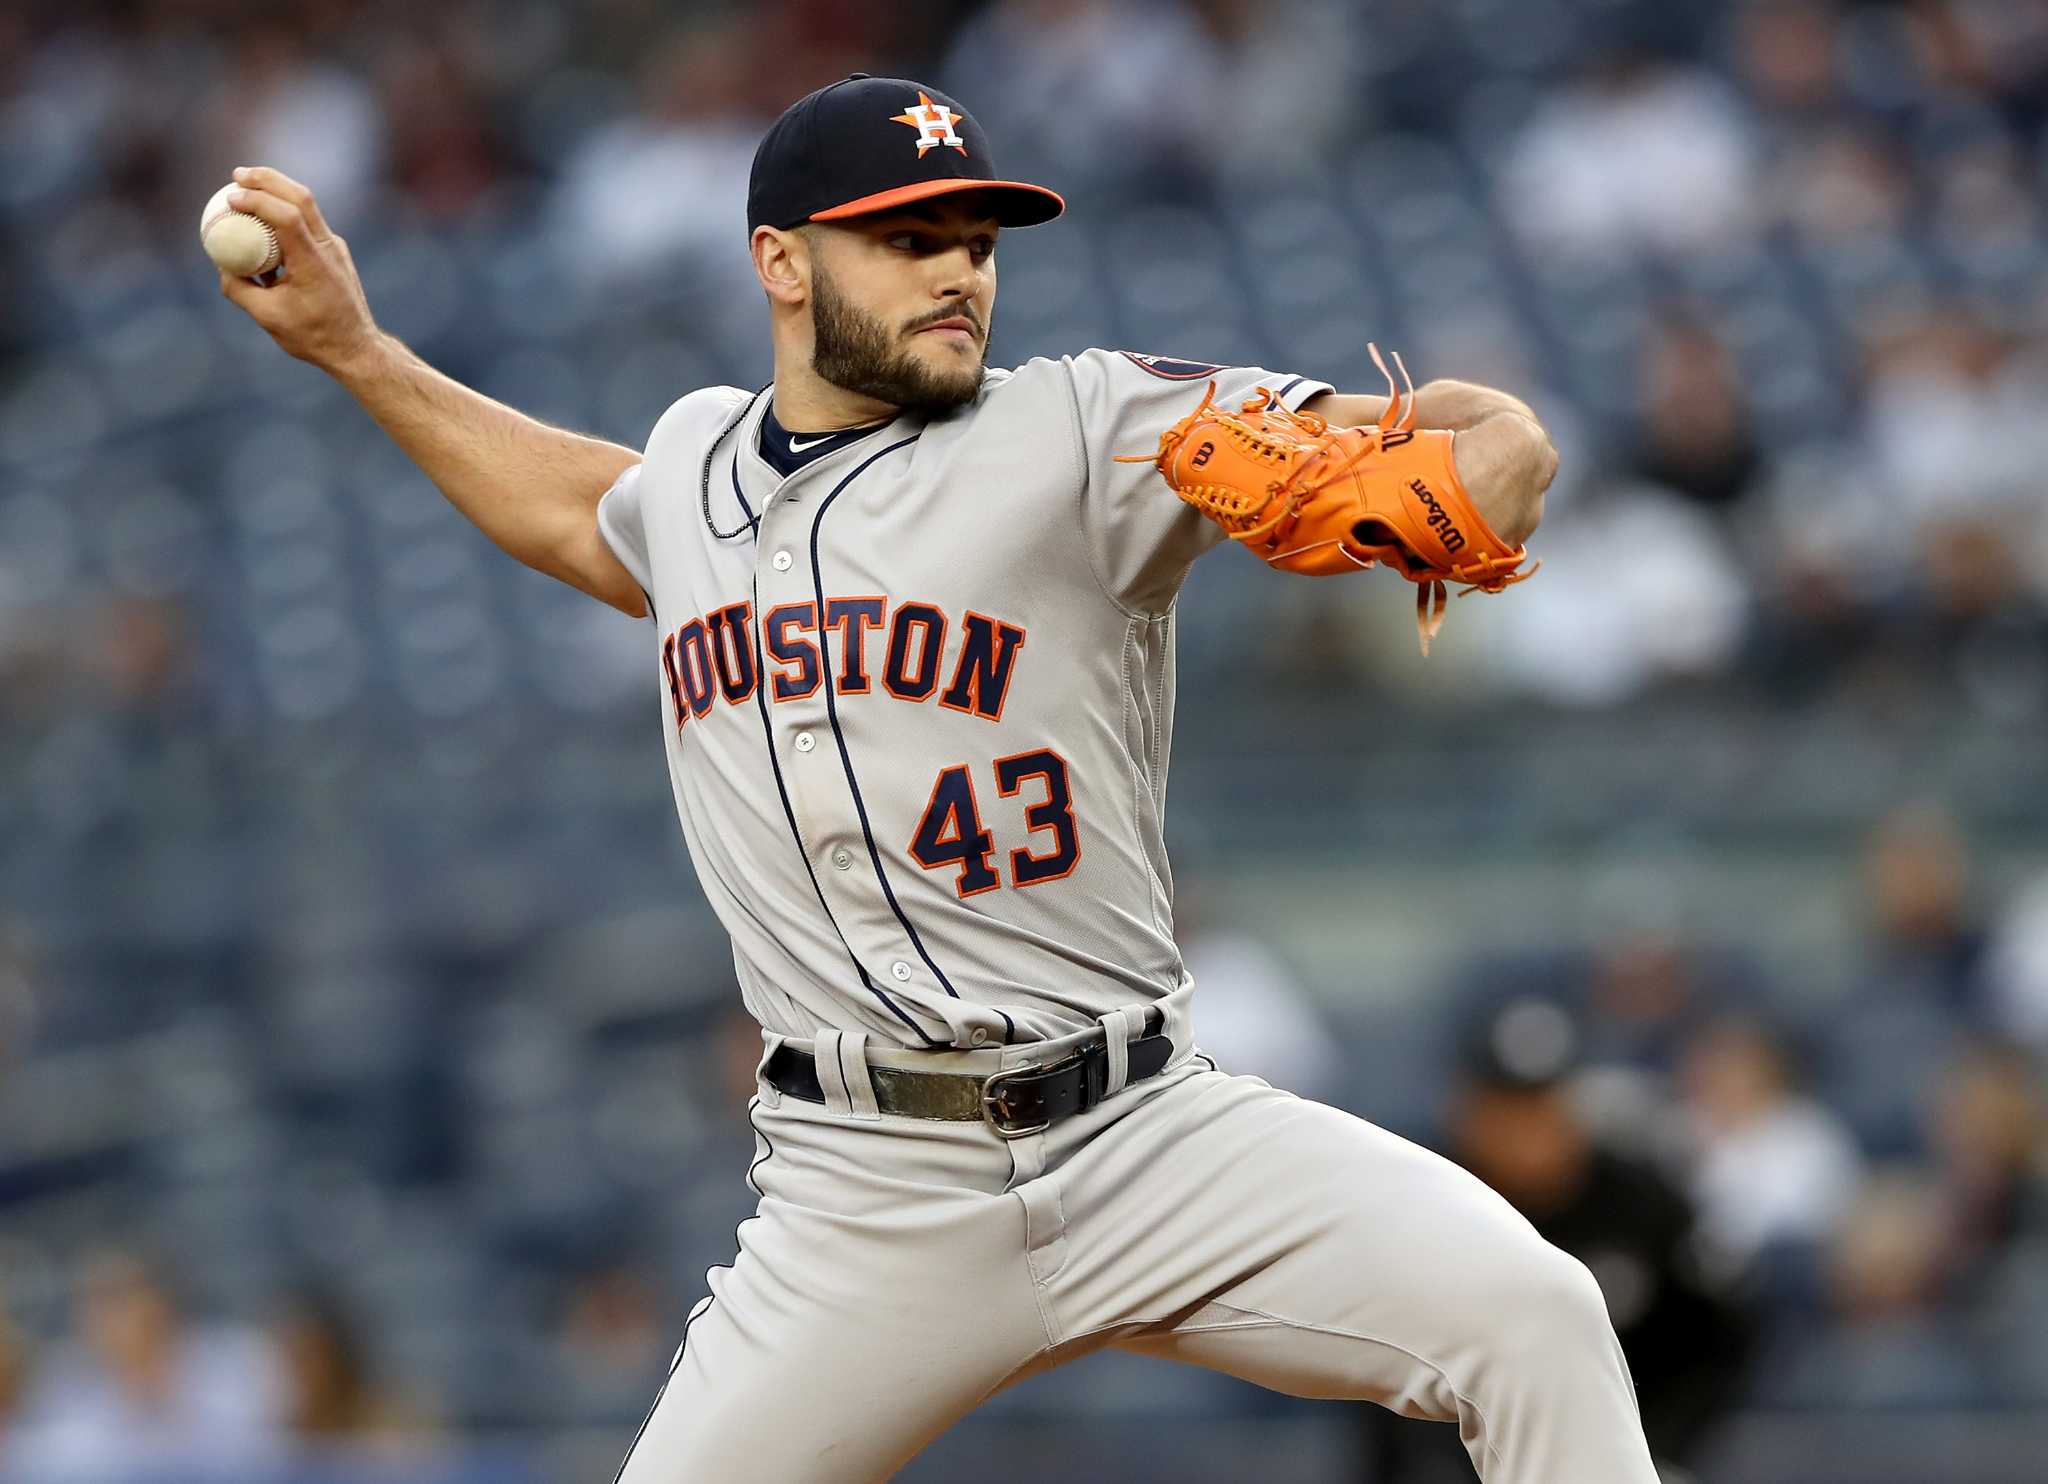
(934, 124)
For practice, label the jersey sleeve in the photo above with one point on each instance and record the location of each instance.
(619, 521)
(1140, 534)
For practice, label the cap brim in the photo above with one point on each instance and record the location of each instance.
(1017, 203)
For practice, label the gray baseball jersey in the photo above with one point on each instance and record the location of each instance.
(918, 697)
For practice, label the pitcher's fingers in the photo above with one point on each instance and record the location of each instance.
(287, 219)
(282, 186)
(241, 292)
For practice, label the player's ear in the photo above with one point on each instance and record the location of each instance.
(782, 261)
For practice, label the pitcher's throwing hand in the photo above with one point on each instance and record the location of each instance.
(316, 310)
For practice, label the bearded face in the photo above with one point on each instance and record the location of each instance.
(917, 364)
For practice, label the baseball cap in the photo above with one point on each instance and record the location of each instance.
(871, 143)
(1526, 1045)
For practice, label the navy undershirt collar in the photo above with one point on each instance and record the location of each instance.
(788, 452)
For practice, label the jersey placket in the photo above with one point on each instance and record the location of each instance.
(790, 598)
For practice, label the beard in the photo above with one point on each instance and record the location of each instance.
(855, 350)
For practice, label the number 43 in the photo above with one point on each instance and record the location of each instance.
(951, 833)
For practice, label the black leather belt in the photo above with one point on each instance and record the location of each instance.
(1014, 1103)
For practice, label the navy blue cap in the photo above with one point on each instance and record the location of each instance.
(1528, 1044)
(870, 143)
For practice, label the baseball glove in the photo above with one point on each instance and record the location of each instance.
(1318, 500)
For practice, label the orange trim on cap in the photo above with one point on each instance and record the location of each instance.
(925, 190)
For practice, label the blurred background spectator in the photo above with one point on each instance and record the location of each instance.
(2016, 967)
(1257, 1018)
(13, 1377)
(1518, 1122)
(333, 1404)
(144, 1389)
(1986, 1132)
(348, 958)
(1773, 1171)
(614, 1329)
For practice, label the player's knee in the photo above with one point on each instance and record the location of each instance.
(1554, 1304)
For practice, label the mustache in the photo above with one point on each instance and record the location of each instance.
(939, 317)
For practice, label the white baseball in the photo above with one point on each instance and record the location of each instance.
(239, 243)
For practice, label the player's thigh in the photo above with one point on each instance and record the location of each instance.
(806, 1394)
(1305, 1249)
(862, 1315)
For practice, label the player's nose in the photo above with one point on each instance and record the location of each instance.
(953, 274)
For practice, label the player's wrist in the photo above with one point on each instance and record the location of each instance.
(1458, 405)
(1505, 463)
(362, 360)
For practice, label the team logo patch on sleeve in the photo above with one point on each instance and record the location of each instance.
(1166, 368)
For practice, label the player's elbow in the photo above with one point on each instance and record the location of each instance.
(633, 604)
(583, 560)
(612, 585)
(1506, 464)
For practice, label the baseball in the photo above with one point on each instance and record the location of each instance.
(239, 243)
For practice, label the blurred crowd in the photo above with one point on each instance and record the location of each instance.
(1774, 269)
(364, 1058)
(147, 1387)
(1790, 1199)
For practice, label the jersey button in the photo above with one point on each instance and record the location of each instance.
(980, 1035)
(805, 741)
(781, 561)
(843, 858)
(901, 970)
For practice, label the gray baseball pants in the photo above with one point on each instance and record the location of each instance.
(898, 1272)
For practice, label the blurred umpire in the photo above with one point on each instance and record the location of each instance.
(1514, 1122)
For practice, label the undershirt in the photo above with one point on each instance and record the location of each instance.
(789, 452)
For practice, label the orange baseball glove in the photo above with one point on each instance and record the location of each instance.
(1318, 500)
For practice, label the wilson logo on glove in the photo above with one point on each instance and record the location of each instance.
(1439, 518)
(1318, 500)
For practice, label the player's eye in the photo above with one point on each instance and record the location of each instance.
(903, 241)
(983, 248)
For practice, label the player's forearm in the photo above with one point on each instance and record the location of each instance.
(1458, 405)
(1451, 405)
(533, 489)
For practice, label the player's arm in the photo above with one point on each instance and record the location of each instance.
(1504, 457)
(533, 489)
(1443, 403)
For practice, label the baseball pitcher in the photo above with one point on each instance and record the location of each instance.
(911, 638)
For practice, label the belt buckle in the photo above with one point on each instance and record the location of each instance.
(992, 1098)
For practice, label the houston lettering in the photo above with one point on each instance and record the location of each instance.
(911, 650)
